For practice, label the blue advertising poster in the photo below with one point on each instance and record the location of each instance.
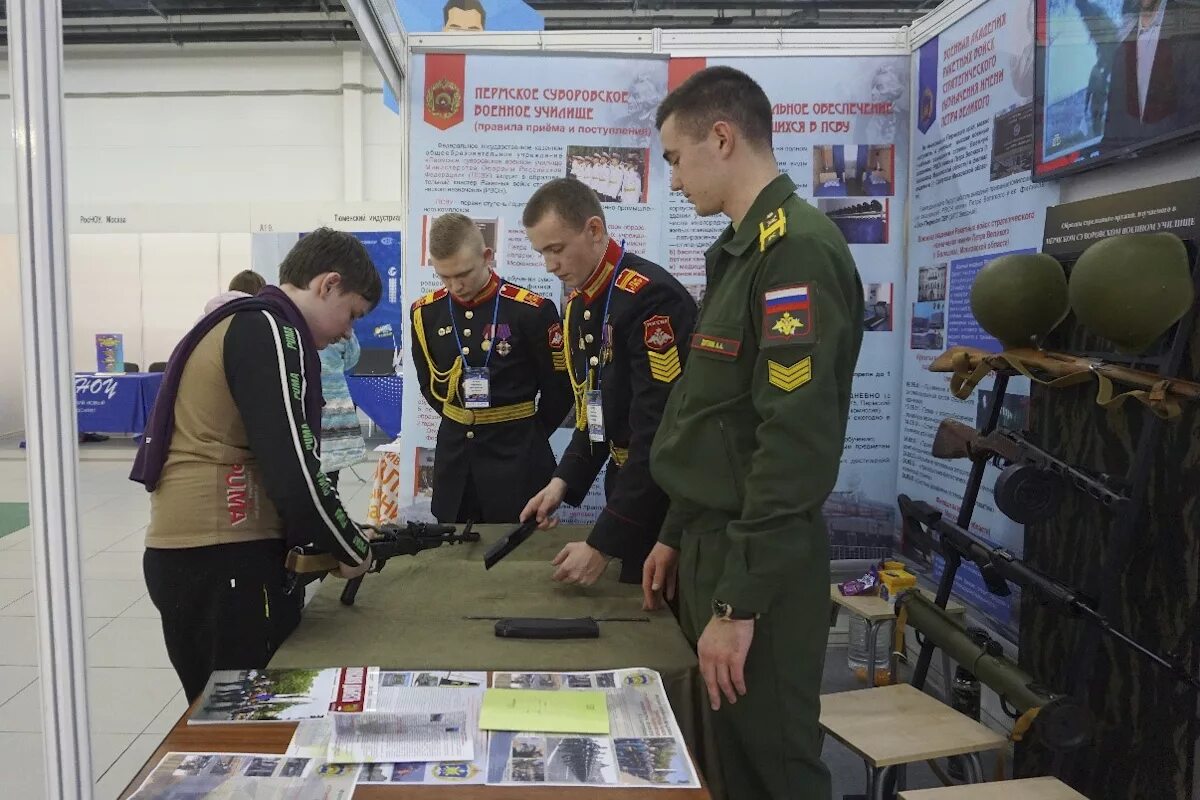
(375, 383)
(379, 332)
(463, 16)
(422, 16)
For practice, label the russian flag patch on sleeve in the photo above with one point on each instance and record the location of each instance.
(787, 315)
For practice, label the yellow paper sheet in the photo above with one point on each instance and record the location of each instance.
(544, 712)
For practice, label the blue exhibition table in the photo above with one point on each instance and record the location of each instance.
(115, 403)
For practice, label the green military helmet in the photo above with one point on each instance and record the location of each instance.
(1020, 298)
(1131, 289)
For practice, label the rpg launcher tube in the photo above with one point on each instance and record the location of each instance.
(1061, 723)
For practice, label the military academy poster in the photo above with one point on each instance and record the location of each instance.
(488, 130)
(841, 133)
(972, 201)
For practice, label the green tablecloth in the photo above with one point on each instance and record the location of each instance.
(410, 616)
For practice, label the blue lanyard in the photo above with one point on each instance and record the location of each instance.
(495, 316)
(604, 323)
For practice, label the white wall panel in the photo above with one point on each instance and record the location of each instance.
(179, 274)
(106, 295)
(198, 121)
(1177, 164)
(384, 148)
(204, 149)
(204, 69)
(204, 175)
(234, 257)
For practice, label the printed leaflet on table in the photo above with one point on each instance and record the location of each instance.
(644, 747)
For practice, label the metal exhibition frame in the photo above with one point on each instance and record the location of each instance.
(35, 55)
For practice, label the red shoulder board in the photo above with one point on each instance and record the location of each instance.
(430, 298)
(514, 292)
(631, 281)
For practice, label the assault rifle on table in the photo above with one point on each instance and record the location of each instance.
(970, 365)
(926, 531)
(1031, 485)
(307, 564)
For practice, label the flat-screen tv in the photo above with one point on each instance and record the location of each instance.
(1113, 78)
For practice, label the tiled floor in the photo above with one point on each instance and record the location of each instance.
(133, 692)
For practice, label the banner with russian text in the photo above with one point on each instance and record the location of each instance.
(841, 133)
(488, 130)
(972, 200)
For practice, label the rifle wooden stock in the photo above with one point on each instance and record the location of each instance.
(1056, 370)
(304, 563)
(955, 439)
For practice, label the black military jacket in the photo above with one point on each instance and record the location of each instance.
(507, 461)
(625, 333)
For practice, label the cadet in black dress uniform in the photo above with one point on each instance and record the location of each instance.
(625, 336)
(483, 349)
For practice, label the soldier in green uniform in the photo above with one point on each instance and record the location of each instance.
(751, 439)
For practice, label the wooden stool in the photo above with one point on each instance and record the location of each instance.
(895, 725)
(879, 612)
(1026, 789)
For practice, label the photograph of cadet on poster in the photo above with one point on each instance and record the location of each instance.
(860, 223)
(849, 170)
(616, 174)
(928, 325)
(931, 283)
(858, 526)
(877, 307)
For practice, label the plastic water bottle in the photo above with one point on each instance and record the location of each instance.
(964, 698)
(857, 652)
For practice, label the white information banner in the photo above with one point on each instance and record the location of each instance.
(487, 131)
(972, 201)
(841, 133)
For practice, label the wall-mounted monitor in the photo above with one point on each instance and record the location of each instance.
(1113, 78)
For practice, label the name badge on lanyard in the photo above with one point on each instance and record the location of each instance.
(477, 392)
(595, 416)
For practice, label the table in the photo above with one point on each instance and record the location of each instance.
(379, 397)
(1026, 789)
(410, 616)
(895, 725)
(274, 738)
(876, 612)
(115, 403)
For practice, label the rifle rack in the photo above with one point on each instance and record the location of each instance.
(1168, 358)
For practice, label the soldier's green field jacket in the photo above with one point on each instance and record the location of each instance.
(754, 429)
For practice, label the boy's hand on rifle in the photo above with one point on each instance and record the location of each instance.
(348, 572)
